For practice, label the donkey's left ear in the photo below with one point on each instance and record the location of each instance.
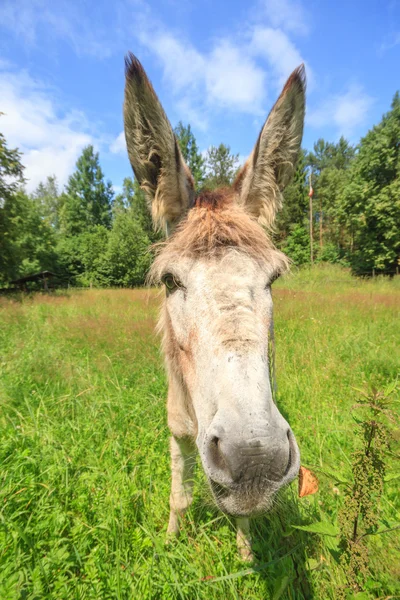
(154, 151)
(270, 166)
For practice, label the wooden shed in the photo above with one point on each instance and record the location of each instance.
(43, 277)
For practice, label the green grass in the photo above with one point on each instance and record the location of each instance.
(84, 478)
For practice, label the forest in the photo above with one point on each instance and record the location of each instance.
(89, 236)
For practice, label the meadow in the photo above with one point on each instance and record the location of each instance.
(84, 476)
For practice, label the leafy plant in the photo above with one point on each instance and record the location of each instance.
(297, 246)
(359, 516)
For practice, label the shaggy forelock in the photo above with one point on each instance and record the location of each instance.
(214, 225)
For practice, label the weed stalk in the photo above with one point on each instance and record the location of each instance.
(359, 515)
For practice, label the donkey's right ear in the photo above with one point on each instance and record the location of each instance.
(153, 150)
(269, 168)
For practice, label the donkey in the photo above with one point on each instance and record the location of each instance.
(217, 265)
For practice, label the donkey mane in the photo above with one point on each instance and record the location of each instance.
(214, 225)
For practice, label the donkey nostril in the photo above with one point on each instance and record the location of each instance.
(290, 457)
(216, 441)
(216, 453)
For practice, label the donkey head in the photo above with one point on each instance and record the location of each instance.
(218, 266)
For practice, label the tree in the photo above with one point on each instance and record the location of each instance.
(132, 199)
(11, 213)
(369, 203)
(127, 259)
(297, 245)
(11, 170)
(330, 164)
(221, 166)
(81, 257)
(87, 201)
(35, 244)
(48, 200)
(295, 204)
(190, 152)
(27, 241)
(26, 238)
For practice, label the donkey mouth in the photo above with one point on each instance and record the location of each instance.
(247, 498)
(255, 495)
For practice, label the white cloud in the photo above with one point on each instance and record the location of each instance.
(118, 146)
(352, 108)
(345, 111)
(229, 75)
(192, 112)
(279, 51)
(233, 71)
(34, 20)
(287, 14)
(225, 77)
(183, 64)
(233, 79)
(390, 42)
(50, 140)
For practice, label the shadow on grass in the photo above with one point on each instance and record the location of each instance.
(281, 552)
(284, 550)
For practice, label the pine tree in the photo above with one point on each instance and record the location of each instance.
(295, 205)
(330, 165)
(48, 200)
(190, 152)
(221, 166)
(87, 201)
(132, 199)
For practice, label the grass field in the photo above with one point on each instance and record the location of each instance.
(84, 478)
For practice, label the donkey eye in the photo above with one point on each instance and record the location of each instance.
(170, 282)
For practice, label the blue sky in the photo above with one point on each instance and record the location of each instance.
(215, 64)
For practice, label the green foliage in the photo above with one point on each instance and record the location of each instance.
(295, 205)
(127, 259)
(11, 170)
(11, 177)
(81, 257)
(193, 158)
(132, 198)
(221, 166)
(359, 516)
(328, 155)
(48, 200)
(355, 216)
(370, 202)
(91, 254)
(87, 200)
(297, 245)
(330, 165)
(27, 241)
(330, 253)
(35, 237)
(320, 527)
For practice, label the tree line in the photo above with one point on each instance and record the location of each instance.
(88, 235)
